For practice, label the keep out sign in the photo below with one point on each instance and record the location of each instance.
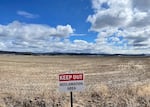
(71, 82)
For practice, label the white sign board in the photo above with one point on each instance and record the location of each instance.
(71, 82)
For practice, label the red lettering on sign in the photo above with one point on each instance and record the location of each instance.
(70, 77)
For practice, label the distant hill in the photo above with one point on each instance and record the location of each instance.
(71, 54)
(16, 53)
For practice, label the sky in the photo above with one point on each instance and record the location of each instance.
(75, 26)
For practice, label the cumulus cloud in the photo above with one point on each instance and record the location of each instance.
(82, 46)
(122, 13)
(27, 14)
(125, 24)
(118, 14)
(17, 35)
(30, 31)
(142, 5)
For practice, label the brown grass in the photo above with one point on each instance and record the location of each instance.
(32, 81)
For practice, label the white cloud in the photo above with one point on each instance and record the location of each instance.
(2, 45)
(31, 31)
(128, 19)
(32, 37)
(118, 14)
(81, 34)
(18, 36)
(27, 14)
(81, 46)
(142, 5)
(121, 13)
(63, 30)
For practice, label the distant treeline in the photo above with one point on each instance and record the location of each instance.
(71, 54)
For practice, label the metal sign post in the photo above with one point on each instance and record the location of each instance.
(71, 99)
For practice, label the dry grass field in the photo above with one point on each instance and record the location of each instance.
(32, 81)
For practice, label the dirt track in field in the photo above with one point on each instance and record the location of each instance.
(37, 74)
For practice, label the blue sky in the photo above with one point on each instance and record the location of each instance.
(81, 26)
(50, 12)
